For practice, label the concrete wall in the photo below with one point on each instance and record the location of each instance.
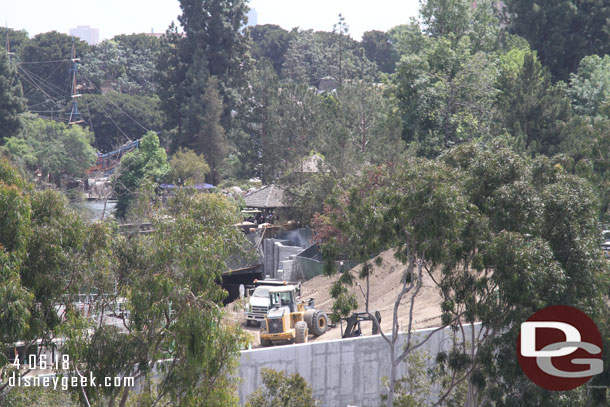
(275, 252)
(343, 372)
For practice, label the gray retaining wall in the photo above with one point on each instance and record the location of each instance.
(342, 372)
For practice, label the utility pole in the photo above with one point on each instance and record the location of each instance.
(8, 44)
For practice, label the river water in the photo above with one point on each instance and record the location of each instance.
(92, 210)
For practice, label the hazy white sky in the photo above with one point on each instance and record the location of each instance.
(114, 17)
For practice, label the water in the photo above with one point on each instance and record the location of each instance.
(92, 210)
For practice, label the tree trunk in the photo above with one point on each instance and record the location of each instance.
(392, 384)
(367, 293)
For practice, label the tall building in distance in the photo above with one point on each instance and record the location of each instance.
(252, 18)
(86, 33)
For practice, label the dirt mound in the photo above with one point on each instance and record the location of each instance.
(385, 284)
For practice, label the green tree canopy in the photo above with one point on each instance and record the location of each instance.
(283, 390)
(500, 235)
(188, 167)
(445, 94)
(270, 41)
(12, 102)
(590, 86)
(126, 63)
(17, 40)
(531, 108)
(46, 64)
(53, 148)
(563, 32)
(379, 49)
(116, 118)
(148, 162)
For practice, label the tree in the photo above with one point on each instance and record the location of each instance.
(445, 95)
(379, 49)
(563, 32)
(45, 71)
(116, 118)
(169, 279)
(211, 140)
(455, 20)
(256, 133)
(531, 108)
(127, 62)
(54, 148)
(148, 162)
(12, 102)
(47, 256)
(212, 46)
(312, 56)
(187, 167)
(590, 86)
(170, 75)
(17, 40)
(407, 39)
(482, 224)
(270, 41)
(282, 390)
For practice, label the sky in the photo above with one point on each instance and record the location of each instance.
(113, 17)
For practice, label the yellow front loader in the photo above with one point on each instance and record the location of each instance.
(289, 320)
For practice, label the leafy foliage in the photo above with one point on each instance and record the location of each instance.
(52, 77)
(117, 118)
(126, 64)
(187, 167)
(147, 162)
(54, 148)
(563, 32)
(282, 390)
(507, 235)
(12, 102)
(270, 42)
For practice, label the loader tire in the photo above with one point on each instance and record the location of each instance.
(319, 323)
(308, 317)
(301, 332)
(264, 342)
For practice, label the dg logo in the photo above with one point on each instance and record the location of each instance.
(560, 348)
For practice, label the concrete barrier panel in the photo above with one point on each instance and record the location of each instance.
(341, 372)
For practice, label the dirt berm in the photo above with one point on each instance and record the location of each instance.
(385, 284)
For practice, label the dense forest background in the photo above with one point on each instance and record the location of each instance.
(257, 101)
(482, 126)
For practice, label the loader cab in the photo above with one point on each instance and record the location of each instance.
(283, 297)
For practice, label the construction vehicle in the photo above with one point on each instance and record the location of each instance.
(259, 301)
(353, 328)
(289, 319)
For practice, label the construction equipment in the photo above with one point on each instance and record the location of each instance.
(289, 319)
(353, 328)
(259, 301)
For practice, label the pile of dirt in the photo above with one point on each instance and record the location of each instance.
(384, 286)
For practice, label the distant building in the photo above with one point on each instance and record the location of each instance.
(86, 33)
(252, 18)
(152, 33)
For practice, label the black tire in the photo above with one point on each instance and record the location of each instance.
(308, 317)
(301, 332)
(264, 342)
(248, 322)
(319, 323)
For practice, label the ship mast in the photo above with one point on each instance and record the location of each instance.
(75, 117)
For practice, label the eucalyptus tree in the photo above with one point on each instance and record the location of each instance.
(11, 96)
(499, 235)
